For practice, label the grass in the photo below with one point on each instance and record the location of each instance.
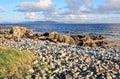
(14, 63)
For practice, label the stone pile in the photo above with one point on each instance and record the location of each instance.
(70, 62)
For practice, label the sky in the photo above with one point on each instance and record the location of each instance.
(65, 11)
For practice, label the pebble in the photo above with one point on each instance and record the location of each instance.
(70, 62)
(117, 66)
(109, 77)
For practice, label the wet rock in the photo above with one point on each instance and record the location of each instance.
(38, 34)
(46, 34)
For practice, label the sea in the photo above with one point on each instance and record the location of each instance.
(111, 31)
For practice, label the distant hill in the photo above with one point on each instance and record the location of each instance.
(34, 22)
(39, 22)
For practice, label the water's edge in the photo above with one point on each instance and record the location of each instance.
(111, 31)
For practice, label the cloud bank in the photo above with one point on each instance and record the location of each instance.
(79, 6)
(75, 10)
(42, 5)
(111, 7)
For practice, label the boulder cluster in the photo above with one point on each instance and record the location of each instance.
(58, 38)
(18, 33)
(79, 40)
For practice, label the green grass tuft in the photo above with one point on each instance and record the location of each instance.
(14, 63)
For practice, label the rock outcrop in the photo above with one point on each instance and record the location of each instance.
(54, 36)
(19, 32)
(89, 41)
(69, 40)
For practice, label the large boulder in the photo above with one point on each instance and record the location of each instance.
(68, 40)
(99, 37)
(29, 33)
(19, 32)
(76, 39)
(87, 41)
(46, 34)
(54, 36)
(16, 32)
(60, 38)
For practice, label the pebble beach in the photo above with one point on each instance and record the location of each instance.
(71, 62)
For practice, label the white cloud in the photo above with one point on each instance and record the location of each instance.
(79, 6)
(30, 15)
(111, 7)
(1, 8)
(76, 11)
(89, 3)
(42, 5)
(76, 18)
(67, 18)
(34, 16)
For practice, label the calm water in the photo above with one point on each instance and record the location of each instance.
(111, 31)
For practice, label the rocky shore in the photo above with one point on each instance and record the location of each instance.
(18, 33)
(81, 57)
(71, 62)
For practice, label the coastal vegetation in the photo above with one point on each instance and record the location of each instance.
(14, 63)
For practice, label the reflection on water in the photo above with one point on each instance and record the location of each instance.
(111, 31)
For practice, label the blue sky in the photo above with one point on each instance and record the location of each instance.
(68, 11)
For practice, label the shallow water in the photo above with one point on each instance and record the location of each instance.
(111, 31)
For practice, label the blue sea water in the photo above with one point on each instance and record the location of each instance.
(111, 31)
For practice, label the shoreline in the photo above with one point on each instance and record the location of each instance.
(68, 61)
(18, 33)
(67, 57)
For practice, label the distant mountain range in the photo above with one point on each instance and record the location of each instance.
(50, 22)
(40, 22)
(34, 22)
